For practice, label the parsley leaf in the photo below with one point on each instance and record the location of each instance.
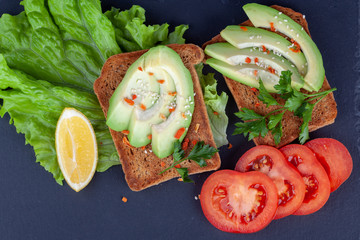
(294, 101)
(265, 96)
(198, 154)
(184, 175)
(255, 125)
(178, 152)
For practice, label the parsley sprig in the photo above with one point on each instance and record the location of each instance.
(198, 154)
(301, 104)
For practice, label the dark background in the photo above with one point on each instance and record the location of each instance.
(34, 206)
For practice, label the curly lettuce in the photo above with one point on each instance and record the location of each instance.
(215, 106)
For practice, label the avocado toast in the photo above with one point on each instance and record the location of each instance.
(324, 112)
(140, 165)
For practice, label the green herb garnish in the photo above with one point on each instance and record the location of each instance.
(198, 154)
(301, 104)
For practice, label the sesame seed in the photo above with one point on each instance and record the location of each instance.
(302, 29)
(291, 30)
(251, 50)
(292, 65)
(280, 13)
(145, 151)
(273, 58)
(297, 35)
(277, 42)
(303, 16)
(280, 22)
(285, 20)
(276, 17)
(287, 26)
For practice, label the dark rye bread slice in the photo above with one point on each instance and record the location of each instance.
(142, 167)
(324, 112)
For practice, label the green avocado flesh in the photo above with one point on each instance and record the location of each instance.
(257, 37)
(245, 74)
(155, 98)
(263, 16)
(238, 57)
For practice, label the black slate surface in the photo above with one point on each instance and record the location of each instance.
(34, 206)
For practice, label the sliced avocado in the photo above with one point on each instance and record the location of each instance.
(264, 16)
(234, 56)
(247, 74)
(141, 121)
(256, 37)
(141, 104)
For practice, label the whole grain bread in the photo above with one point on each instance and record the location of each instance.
(324, 112)
(140, 165)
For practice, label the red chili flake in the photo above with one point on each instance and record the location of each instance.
(296, 45)
(243, 28)
(263, 48)
(101, 143)
(185, 145)
(171, 109)
(216, 113)
(172, 93)
(177, 166)
(126, 132)
(180, 179)
(271, 70)
(255, 72)
(149, 136)
(140, 68)
(186, 140)
(247, 60)
(194, 142)
(133, 97)
(143, 148)
(124, 199)
(272, 28)
(162, 116)
(179, 133)
(254, 89)
(257, 104)
(126, 141)
(162, 164)
(230, 146)
(143, 107)
(150, 73)
(161, 81)
(183, 115)
(267, 51)
(129, 101)
(256, 60)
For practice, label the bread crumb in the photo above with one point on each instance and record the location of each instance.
(124, 199)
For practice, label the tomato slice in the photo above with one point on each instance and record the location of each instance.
(290, 185)
(315, 177)
(239, 202)
(334, 157)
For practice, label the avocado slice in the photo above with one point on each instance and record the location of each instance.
(155, 97)
(234, 56)
(246, 37)
(247, 74)
(264, 16)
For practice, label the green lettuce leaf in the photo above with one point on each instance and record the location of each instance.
(35, 106)
(64, 42)
(215, 106)
(132, 34)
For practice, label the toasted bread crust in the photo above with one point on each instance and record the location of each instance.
(142, 167)
(323, 114)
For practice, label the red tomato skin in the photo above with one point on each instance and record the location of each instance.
(309, 166)
(230, 178)
(281, 170)
(334, 157)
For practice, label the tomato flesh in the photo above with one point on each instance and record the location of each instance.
(315, 178)
(334, 157)
(239, 202)
(290, 185)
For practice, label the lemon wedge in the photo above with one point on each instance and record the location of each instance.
(76, 148)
